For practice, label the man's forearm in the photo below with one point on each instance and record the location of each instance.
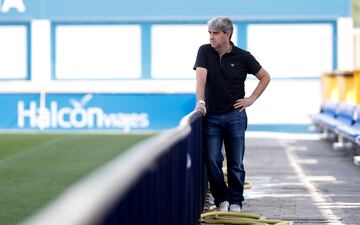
(200, 90)
(201, 74)
(264, 80)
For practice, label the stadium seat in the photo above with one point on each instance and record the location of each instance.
(337, 118)
(352, 131)
(327, 116)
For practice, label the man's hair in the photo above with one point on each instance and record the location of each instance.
(220, 23)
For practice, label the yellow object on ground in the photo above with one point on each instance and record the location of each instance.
(247, 185)
(239, 218)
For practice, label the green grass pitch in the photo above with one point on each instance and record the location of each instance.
(36, 168)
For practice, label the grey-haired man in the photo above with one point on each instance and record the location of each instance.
(221, 70)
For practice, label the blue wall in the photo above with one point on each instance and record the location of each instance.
(133, 10)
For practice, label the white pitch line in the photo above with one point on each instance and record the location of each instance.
(313, 191)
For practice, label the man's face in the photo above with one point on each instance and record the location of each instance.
(218, 39)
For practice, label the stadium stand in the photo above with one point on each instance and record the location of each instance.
(338, 118)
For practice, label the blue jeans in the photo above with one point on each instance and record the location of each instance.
(228, 128)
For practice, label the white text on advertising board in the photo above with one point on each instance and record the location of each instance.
(77, 117)
(7, 5)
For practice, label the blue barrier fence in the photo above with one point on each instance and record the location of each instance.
(159, 181)
(172, 192)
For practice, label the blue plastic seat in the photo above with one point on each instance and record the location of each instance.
(351, 132)
(334, 115)
(327, 115)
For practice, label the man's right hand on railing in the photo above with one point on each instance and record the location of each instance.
(200, 105)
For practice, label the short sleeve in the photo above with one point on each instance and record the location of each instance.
(201, 60)
(253, 66)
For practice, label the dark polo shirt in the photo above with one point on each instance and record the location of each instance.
(225, 76)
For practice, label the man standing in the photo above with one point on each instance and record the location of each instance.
(221, 70)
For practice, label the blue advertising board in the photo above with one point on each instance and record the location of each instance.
(118, 112)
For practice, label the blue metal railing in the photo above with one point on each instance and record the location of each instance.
(159, 181)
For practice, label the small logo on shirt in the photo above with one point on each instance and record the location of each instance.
(232, 64)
